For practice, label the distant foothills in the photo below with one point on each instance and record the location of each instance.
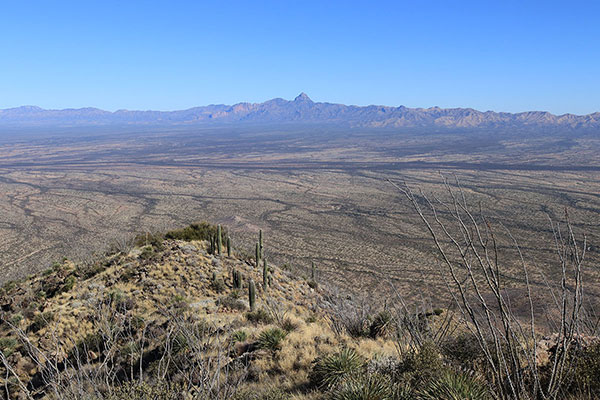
(302, 110)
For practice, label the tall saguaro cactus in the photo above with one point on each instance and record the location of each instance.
(219, 239)
(237, 279)
(265, 274)
(260, 243)
(257, 255)
(252, 294)
(228, 246)
(312, 271)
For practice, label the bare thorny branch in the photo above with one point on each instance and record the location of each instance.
(468, 247)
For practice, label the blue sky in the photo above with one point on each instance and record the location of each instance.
(498, 55)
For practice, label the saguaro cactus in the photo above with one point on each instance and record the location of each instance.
(312, 271)
(228, 246)
(252, 294)
(211, 247)
(257, 255)
(265, 274)
(237, 279)
(219, 239)
(260, 243)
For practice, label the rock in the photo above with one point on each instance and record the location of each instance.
(96, 285)
(188, 249)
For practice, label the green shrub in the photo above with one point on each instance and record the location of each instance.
(269, 393)
(197, 231)
(147, 253)
(145, 391)
(68, 285)
(93, 342)
(152, 240)
(453, 386)
(585, 363)
(288, 325)
(369, 387)
(260, 316)
(231, 303)
(41, 320)
(15, 319)
(331, 370)
(239, 336)
(422, 365)
(218, 285)
(463, 351)
(271, 339)
(8, 345)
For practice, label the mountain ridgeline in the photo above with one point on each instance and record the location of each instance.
(303, 110)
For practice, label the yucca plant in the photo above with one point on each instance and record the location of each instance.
(271, 339)
(331, 370)
(382, 324)
(370, 387)
(454, 386)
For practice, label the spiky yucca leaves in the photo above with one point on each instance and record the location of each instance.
(271, 338)
(454, 386)
(381, 325)
(331, 370)
(371, 387)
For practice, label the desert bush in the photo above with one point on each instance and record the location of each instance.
(217, 285)
(8, 345)
(145, 391)
(271, 339)
(585, 375)
(587, 370)
(148, 239)
(232, 303)
(331, 370)
(463, 350)
(260, 316)
(348, 317)
(288, 325)
(239, 336)
(196, 231)
(421, 365)
(454, 386)
(68, 285)
(268, 393)
(41, 320)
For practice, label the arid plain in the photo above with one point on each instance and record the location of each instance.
(318, 193)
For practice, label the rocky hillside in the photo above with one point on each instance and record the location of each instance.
(171, 311)
(303, 110)
(186, 316)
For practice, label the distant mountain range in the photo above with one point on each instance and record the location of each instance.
(303, 110)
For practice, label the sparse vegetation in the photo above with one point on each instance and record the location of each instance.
(136, 329)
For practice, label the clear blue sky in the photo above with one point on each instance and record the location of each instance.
(498, 55)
